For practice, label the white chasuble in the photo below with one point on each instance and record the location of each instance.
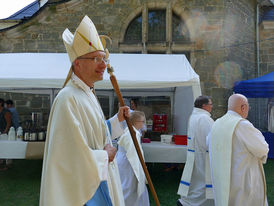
(74, 160)
(237, 151)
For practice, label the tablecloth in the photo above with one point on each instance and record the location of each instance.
(159, 152)
(21, 150)
(154, 152)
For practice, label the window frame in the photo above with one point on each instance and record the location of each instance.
(169, 46)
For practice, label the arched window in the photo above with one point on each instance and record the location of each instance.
(158, 31)
(157, 25)
(179, 30)
(134, 30)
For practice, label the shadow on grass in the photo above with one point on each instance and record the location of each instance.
(165, 183)
(20, 185)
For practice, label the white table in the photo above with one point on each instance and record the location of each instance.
(164, 153)
(12, 149)
(154, 151)
(21, 150)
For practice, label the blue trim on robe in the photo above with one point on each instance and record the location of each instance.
(188, 137)
(184, 183)
(191, 150)
(101, 196)
(109, 126)
(208, 186)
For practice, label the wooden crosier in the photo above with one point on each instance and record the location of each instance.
(132, 133)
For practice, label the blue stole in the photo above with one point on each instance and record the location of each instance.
(101, 196)
(109, 126)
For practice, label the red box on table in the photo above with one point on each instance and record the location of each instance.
(180, 139)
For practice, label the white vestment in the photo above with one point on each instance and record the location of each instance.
(195, 186)
(74, 160)
(131, 172)
(237, 151)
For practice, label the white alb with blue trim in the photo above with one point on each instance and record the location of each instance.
(195, 185)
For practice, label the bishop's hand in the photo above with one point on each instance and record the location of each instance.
(123, 111)
(111, 152)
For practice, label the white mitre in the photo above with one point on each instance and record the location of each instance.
(84, 41)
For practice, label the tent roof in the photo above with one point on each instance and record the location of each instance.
(25, 12)
(49, 70)
(259, 87)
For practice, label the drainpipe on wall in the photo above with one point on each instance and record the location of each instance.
(258, 57)
(258, 39)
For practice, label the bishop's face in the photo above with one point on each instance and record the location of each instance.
(90, 67)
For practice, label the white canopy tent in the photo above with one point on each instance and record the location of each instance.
(46, 72)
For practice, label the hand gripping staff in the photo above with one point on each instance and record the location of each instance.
(132, 133)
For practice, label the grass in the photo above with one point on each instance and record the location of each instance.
(268, 169)
(20, 185)
(166, 183)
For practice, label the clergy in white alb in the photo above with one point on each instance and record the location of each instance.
(132, 175)
(79, 167)
(237, 151)
(195, 186)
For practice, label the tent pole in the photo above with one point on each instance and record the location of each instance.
(51, 96)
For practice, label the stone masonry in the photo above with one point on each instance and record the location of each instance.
(222, 44)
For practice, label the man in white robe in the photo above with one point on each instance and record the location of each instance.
(195, 186)
(237, 151)
(133, 178)
(79, 167)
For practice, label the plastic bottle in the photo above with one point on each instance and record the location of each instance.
(11, 134)
(19, 133)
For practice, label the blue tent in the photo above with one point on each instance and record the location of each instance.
(261, 87)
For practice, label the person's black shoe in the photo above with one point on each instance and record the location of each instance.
(179, 203)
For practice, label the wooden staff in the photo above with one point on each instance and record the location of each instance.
(132, 133)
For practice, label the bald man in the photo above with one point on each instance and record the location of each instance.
(237, 151)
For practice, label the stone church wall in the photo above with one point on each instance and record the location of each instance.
(222, 32)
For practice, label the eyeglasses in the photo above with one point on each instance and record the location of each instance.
(97, 60)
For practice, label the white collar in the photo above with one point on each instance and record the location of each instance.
(199, 110)
(233, 113)
(76, 80)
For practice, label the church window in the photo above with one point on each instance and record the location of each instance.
(134, 30)
(157, 25)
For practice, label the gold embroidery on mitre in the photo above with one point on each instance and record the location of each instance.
(86, 40)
